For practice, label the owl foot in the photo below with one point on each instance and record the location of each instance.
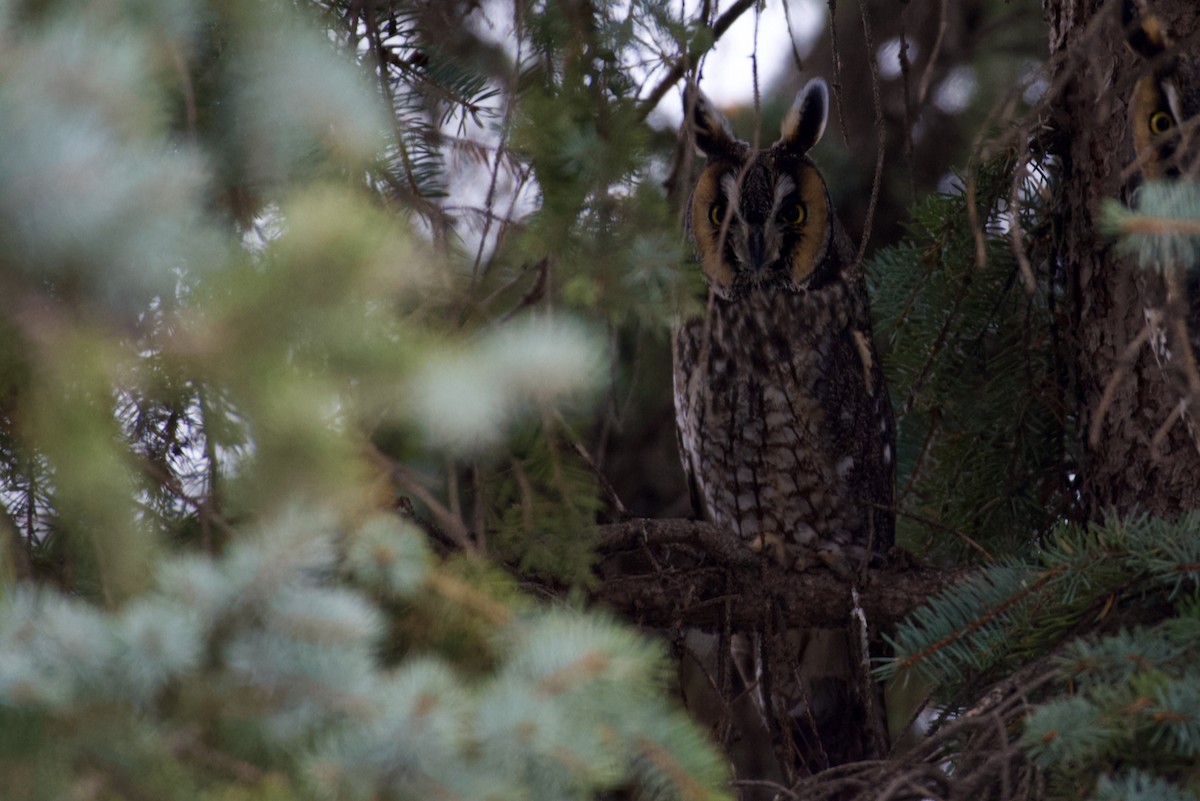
(770, 544)
(833, 558)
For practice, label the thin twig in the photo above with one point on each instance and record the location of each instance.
(881, 141)
(935, 51)
(505, 126)
(605, 485)
(1120, 370)
(686, 60)
(1016, 237)
(787, 18)
(949, 529)
(452, 525)
(836, 53)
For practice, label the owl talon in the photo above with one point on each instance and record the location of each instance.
(770, 544)
(835, 560)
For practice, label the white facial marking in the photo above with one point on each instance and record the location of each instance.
(783, 187)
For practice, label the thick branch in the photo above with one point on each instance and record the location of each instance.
(668, 573)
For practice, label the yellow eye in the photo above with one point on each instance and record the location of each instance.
(793, 213)
(1160, 122)
(716, 213)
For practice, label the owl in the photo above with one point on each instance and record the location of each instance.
(783, 417)
(1166, 97)
(1163, 112)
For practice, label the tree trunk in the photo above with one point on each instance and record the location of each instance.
(1121, 469)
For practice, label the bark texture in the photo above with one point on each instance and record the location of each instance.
(1134, 454)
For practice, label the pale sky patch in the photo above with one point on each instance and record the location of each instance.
(727, 73)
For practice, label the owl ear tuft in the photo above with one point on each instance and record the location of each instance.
(805, 121)
(1145, 33)
(714, 134)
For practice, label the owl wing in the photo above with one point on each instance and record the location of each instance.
(861, 428)
(683, 359)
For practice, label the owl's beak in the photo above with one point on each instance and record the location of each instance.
(756, 250)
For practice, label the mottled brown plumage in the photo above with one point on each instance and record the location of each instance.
(1165, 101)
(783, 415)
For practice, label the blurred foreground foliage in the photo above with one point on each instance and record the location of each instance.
(236, 341)
(306, 313)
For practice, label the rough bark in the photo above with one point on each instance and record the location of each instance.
(1120, 466)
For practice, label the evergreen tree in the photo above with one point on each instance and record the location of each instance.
(227, 343)
(334, 399)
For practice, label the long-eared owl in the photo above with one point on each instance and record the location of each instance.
(1166, 99)
(784, 421)
(1164, 111)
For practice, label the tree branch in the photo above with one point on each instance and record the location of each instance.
(668, 573)
(688, 59)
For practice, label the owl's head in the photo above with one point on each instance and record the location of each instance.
(1165, 105)
(761, 218)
